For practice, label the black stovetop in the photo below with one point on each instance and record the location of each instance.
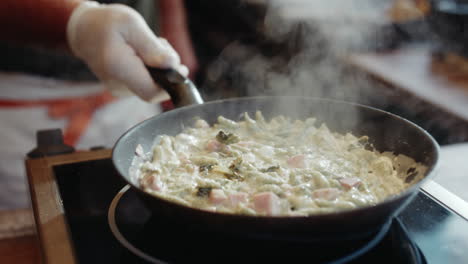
(424, 231)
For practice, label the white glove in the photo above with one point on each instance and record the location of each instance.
(116, 43)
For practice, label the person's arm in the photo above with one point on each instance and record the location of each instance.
(174, 27)
(113, 40)
(36, 21)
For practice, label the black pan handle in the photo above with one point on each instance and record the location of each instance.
(181, 89)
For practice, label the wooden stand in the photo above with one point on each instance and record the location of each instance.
(53, 238)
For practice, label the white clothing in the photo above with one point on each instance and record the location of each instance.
(19, 125)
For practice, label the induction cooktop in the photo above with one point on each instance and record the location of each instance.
(108, 224)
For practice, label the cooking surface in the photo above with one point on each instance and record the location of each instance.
(153, 239)
(87, 189)
(453, 164)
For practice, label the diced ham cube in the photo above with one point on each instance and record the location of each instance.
(214, 146)
(297, 161)
(326, 193)
(217, 196)
(151, 181)
(349, 183)
(237, 198)
(266, 203)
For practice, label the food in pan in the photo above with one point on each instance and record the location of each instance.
(280, 167)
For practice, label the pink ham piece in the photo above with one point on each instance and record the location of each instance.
(217, 196)
(152, 182)
(349, 183)
(297, 161)
(213, 146)
(326, 193)
(237, 198)
(266, 203)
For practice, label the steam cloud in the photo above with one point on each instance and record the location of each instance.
(316, 36)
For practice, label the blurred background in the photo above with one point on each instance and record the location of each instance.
(403, 56)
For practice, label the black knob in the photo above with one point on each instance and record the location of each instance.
(49, 137)
(49, 143)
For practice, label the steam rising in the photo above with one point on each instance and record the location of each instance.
(344, 24)
(314, 36)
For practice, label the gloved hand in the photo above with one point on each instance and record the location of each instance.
(116, 43)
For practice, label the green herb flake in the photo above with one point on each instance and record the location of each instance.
(235, 170)
(235, 165)
(206, 167)
(234, 176)
(227, 139)
(270, 169)
(203, 191)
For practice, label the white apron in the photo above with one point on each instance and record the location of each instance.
(21, 119)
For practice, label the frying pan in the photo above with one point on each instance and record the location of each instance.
(387, 132)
